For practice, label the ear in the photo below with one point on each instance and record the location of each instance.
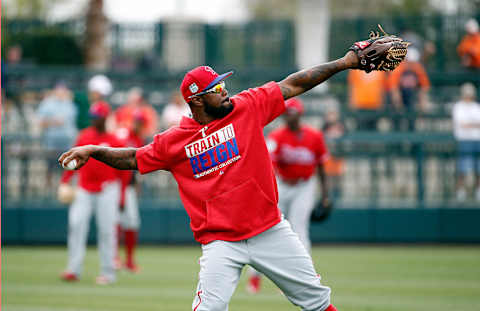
(196, 102)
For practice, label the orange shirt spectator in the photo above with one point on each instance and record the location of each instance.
(125, 115)
(367, 90)
(469, 47)
(409, 82)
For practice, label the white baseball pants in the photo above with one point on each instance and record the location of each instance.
(129, 217)
(105, 204)
(297, 202)
(277, 253)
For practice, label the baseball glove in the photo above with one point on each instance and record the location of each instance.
(321, 211)
(380, 52)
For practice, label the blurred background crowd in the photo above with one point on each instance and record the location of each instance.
(409, 138)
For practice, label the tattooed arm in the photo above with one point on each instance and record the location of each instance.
(302, 81)
(119, 158)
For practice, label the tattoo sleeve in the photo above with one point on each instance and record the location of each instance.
(119, 158)
(302, 81)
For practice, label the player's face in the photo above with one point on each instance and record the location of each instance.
(99, 123)
(217, 105)
(292, 118)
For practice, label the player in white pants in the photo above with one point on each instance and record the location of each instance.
(98, 193)
(227, 184)
(297, 151)
(129, 221)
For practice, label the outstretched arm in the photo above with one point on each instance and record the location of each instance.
(304, 80)
(119, 158)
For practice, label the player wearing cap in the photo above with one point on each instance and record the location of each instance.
(129, 218)
(296, 151)
(98, 191)
(226, 181)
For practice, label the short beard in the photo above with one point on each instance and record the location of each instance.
(218, 112)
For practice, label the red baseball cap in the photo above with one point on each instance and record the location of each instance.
(200, 79)
(139, 115)
(294, 104)
(99, 110)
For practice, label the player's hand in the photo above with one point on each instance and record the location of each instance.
(80, 154)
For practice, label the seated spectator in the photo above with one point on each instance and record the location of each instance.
(469, 47)
(409, 85)
(175, 110)
(366, 91)
(466, 124)
(125, 115)
(56, 115)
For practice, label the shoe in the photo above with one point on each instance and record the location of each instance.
(253, 285)
(133, 268)
(68, 276)
(103, 280)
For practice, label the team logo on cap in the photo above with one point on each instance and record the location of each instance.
(193, 88)
(209, 69)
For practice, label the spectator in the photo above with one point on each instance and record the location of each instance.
(466, 123)
(13, 59)
(469, 47)
(175, 110)
(99, 87)
(333, 128)
(125, 115)
(56, 114)
(366, 91)
(425, 47)
(409, 85)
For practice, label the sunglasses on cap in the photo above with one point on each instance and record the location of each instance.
(218, 88)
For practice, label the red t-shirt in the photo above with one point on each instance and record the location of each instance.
(224, 173)
(296, 155)
(94, 173)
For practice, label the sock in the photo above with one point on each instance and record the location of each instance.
(331, 308)
(130, 244)
(119, 240)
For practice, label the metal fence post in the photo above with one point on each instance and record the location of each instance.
(418, 151)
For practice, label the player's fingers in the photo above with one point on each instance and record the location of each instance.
(64, 155)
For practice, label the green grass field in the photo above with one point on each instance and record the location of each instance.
(362, 278)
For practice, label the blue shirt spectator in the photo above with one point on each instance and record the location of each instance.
(57, 114)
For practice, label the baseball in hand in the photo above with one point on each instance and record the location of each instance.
(70, 165)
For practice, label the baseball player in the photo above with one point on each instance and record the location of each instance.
(98, 192)
(129, 220)
(296, 150)
(226, 180)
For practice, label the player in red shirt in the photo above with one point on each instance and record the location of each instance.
(296, 151)
(226, 181)
(129, 218)
(99, 192)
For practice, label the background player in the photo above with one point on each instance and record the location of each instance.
(220, 161)
(129, 220)
(99, 192)
(296, 150)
